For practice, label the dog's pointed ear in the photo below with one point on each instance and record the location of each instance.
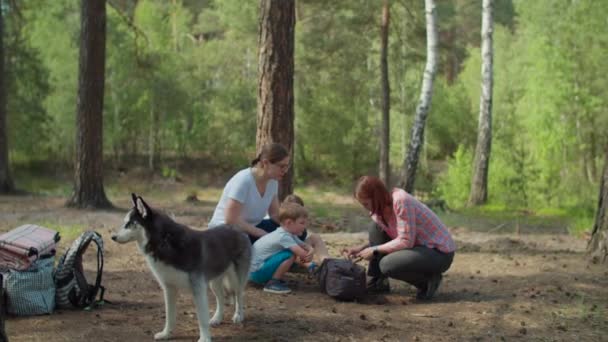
(142, 208)
(134, 199)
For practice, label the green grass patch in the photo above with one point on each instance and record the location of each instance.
(68, 232)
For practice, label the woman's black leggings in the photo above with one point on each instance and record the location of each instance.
(413, 265)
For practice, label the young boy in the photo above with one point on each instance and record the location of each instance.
(311, 239)
(274, 253)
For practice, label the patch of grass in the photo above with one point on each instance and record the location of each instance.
(44, 185)
(68, 232)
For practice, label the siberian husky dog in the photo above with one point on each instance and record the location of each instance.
(181, 257)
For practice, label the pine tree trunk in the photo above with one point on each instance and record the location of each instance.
(88, 181)
(598, 245)
(275, 121)
(426, 93)
(481, 164)
(6, 181)
(384, 169)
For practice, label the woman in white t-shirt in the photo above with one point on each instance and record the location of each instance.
(252, 194)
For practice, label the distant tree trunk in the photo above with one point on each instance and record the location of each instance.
(275, 80)
(384, 168)
(481, 164)
(426, 93)
(88, 181)
(6, 182)
(598, 245)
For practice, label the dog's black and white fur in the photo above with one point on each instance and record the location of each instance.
(181, 257)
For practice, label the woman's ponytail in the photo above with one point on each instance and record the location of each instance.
(256, 160)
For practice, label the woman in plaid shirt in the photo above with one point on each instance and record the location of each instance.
(407, 240)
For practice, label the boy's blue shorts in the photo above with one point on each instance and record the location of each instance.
(264, 274)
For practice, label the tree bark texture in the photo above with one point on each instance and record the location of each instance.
(384, 169)
(426, 93)
(481, 163)
(275, 114)
(6, 181)
(88, 179)
(598, 245)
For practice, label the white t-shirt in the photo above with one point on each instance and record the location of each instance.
(241, 188)
(269, 245)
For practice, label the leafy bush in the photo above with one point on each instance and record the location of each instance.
(455, 184)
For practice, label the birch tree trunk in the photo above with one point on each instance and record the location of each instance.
(275, 121)
(598, 245)
(481, 164)
(6, 181)
(426, 93)
(384, 169)
(88, 178)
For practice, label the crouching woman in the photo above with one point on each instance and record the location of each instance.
(407, 241)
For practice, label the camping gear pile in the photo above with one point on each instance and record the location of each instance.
(31, 284)
(27, 257)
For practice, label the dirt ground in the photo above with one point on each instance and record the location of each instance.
(501, 287)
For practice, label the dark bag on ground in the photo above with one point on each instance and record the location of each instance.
(342, 279)
(73, 289)
(3, 337)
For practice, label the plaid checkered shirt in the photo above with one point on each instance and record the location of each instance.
(414, 224)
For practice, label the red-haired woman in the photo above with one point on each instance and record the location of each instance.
(406, 242)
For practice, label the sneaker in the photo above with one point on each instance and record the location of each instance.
(421, 292)
(312, 268)
(276, 286)
(378, 285)
(431, 287)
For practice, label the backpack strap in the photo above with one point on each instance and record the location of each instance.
(89, 292)
(97, 285)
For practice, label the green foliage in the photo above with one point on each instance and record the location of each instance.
(186, 71)
(454, 185)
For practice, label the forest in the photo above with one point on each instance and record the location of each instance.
(181, 78)
(491, 112)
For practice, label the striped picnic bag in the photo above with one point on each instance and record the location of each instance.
(31, 291)
(22, 246)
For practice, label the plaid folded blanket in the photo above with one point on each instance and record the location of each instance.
(23, 245)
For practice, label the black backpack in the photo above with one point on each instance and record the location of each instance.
(342, 279)
(3, 337)
(73, 290)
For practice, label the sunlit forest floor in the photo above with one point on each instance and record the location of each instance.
(514, 278)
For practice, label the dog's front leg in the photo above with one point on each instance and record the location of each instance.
(199, 291)
(170, 298)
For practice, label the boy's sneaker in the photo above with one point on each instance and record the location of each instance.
(276, 286)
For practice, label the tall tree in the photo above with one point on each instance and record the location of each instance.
(6, 182)
(426, 93)
(275, 80)
(88, 178)
(384, 169)
(481, 164)
(598, 245)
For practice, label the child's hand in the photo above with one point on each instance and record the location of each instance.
(309, 255)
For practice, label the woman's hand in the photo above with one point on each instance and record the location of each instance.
(351, 251)
(367, 253)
